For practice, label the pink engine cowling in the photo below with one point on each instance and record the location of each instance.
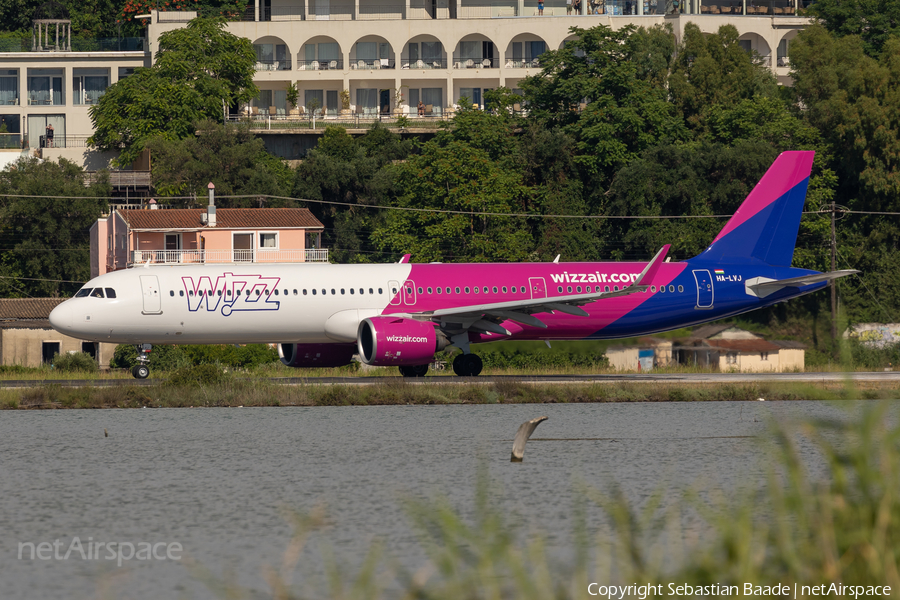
(316, 355)
(393, 341)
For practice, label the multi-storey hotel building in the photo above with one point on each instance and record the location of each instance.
(365, 57)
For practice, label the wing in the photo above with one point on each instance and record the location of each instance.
(763, 286)
(486, 318)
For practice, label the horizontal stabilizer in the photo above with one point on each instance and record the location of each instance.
(763, 286)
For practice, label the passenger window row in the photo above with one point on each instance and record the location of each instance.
(587, 289)
(270, 292)
(96, 293)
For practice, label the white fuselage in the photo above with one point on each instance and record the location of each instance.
(232, 303)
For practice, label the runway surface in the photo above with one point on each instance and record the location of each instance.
(881, 377)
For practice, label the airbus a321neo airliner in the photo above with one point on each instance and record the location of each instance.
(401, 314)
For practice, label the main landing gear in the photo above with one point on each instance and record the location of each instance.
(142, 369)
(414, 370)
(467, 365)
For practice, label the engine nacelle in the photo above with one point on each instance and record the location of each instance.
(315, 355)
(393, 341)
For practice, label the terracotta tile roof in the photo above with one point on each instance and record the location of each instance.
(759, 345)
(16, 309)
(226, 218)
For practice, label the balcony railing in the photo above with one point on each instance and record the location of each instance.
(11, 141)
(320, 65)
(274, 65)
(378, 63)
(462, 62)
(424, 63)
(191, 257)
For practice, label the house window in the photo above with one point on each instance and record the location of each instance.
(88, 85)
(268, 241)
(242, 246)
(9, 86)
(731, 358)
(763, 356)
(45, 87)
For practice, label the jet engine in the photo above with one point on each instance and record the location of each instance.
(392, 341)
(315, 355)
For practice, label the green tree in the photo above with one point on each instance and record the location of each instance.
(596, 90)
(456, 177)
(713, 71)
(353, 171)
(47, 211)
(873, 22)
(229, 156)
(200, 70)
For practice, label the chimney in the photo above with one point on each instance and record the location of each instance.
(211, 209)
(153, 205)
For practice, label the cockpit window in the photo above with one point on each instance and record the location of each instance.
(110, 293)
(83, 292)
(97, 293)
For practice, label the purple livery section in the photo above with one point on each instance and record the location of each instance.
(402, 314)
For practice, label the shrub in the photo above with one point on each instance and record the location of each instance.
(163, 357)
(198, 376)
(74, 362)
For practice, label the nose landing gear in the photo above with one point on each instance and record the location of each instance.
(142, 369)
(467, 365)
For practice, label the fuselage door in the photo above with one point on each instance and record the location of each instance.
(152, 298)
(538, 287)
(394, 291)
(704, 288)
(409, 292)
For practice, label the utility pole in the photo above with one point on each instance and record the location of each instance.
(833, 282)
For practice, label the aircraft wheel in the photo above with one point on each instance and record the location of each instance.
(467, 365)
(475, 365)
(140, 371)
(414, 370)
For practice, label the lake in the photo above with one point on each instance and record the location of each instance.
(218, 482)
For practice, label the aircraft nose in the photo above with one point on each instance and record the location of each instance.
(61, 317)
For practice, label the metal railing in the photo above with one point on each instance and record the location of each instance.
(176, 257)
(518, 63)
(274, 65)
(378, 63)
(423, 63)
(462, 62)
(301, 123)
(65, 141)
(320, 65)
(381, 12)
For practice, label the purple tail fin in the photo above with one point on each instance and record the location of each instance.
(765, 226)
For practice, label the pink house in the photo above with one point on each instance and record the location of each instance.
(205, 235)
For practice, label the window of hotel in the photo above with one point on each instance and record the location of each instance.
(125, 72)
(271, 56)
(434, 97)
(323, 52)
(313, 98)
(784, 51)
(45, 87)
(367, 101)
(268, 240)
(9, 86)
(331, 102)
(88, 85)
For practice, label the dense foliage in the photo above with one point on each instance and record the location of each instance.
(198, 71)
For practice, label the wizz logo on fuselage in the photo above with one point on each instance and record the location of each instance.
(231, 293)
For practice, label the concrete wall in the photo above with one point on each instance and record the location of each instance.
(751, 362)
(25, 346)
(623, 359)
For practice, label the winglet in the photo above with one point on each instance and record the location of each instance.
(652, 267)
(405, 259)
